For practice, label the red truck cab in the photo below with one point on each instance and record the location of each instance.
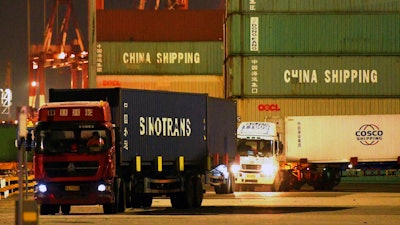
(67, 170)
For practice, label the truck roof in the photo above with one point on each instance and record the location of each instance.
(75, 111)
(257, 130)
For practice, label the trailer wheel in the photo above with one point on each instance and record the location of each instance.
(176, 200)
(184, 199)
(198, 192)
(146, 201)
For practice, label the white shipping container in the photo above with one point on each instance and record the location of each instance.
(370, 138)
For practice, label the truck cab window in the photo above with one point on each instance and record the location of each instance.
(95, 139)
(267, 148)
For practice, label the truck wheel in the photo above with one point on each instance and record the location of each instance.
(188, 193)
(121, 197)
(139, 201)
(198, 192)
(224, 188)
(184, 199)
(65, 209)
(277, 182)
(111, 208)
(232, 188)
(147, 201)
(46, 209)
(177, 200)
(128, 194)
(285, 181)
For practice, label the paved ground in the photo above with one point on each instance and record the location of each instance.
(348, 204)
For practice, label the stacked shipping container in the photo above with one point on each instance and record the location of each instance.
(297, 57)
(179, 50)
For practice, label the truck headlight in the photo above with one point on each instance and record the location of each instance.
(42, 188)
(235, 168)
(101, 187)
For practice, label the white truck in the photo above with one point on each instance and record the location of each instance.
(317, 148)
(258, 161)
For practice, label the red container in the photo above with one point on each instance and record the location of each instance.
(147, 25)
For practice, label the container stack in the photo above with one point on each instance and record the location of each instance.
(172, 50)
(312, 57)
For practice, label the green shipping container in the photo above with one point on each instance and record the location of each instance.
(314, 76)
(159, 58)
(314, 33)
(8, 151)
(251, 6)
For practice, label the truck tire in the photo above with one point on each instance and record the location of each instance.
(233, 185)
(224, 188)
(128, 193)
(282, 181)
(198, 192)
(121, 197)
(141, 201)
(184, 200)
(277, 182)
(65, 209)
(112, 208)
(46, 209)
(109, 208)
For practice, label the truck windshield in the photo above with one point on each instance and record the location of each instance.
(71, 141)
(262, 148)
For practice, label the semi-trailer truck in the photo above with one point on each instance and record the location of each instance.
(314, 150)
(151, 143)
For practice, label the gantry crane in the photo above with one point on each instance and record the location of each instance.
(58, 55)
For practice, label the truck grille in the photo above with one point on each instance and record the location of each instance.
(251, 167)
(71, 169)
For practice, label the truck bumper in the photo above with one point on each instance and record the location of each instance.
(253, 178)
(73, 194)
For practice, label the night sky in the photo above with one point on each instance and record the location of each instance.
(14, 38)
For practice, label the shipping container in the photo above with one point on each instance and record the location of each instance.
(159, 58)
(314, 76)
(152, 112)
(8, 151)
(213, 85)
(165, 5)
(263, 6)
(260, 109)
(164, 25)
(370, 138)
(313, 33)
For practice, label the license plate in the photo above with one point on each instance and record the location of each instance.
(72, 188)
(251, 176)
